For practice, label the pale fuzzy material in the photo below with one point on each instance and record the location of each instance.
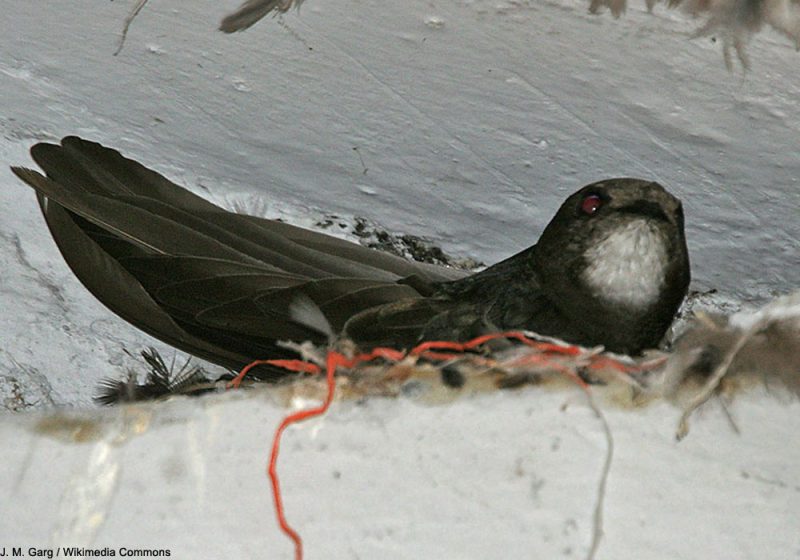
(783, 309)
(761, 346)
(627, 266)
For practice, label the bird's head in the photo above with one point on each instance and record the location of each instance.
(617, 247)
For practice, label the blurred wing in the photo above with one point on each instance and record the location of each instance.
(252, 11)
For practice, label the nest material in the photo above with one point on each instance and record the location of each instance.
(716, 356)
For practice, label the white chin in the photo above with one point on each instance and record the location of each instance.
(628, 265)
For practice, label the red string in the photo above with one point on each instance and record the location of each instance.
(333, 362)
(299, 416)
(298, 366)
(428, 349)
(475, 342)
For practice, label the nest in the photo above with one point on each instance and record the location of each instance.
(715, 356)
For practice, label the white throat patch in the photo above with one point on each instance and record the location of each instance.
(628, 266)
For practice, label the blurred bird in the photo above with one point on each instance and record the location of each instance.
(733, 21)
(252, 11)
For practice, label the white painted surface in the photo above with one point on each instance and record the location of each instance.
(507, 475)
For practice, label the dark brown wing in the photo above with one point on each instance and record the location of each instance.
(214, 283)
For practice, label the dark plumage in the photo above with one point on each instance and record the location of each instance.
(611, 268)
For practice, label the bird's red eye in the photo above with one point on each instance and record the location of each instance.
(591, 204)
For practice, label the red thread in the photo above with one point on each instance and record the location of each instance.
(427, 350)
(334, 360)
(298, 366)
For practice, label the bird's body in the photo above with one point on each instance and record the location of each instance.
(611, 268)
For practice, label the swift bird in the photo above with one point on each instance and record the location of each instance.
(611, 268)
